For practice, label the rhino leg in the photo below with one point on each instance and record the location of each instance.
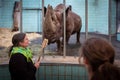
(67, 37)
(78, 37)
(59, 46)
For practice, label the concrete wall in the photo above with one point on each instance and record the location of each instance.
(97, 14)
(6, 13)
(0, 17)
(32, 19)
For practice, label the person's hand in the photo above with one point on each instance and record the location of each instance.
(37, 63)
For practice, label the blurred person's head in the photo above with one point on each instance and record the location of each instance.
(98, 56)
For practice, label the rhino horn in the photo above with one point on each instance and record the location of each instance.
(49, 23)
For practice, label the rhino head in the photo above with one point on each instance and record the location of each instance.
(51, 26)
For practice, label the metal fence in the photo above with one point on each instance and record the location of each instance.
(53, 71)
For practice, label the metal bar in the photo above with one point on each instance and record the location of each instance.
(109, 20)
(42, 21)
(64, 17)
(21, 27)
(117, 16)
(31, 9)
(86, 19)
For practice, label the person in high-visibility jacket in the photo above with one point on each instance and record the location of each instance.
(21, 66)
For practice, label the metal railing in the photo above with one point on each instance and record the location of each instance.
(52, 71)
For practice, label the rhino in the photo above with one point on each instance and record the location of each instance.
(53, 28)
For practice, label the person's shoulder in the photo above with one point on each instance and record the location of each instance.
(18, 55)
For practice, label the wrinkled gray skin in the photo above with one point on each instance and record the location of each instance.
(53, 24)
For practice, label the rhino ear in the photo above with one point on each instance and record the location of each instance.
(70, 7)
(67, 10)
(51, 8)
(45, 9)
(48, 4)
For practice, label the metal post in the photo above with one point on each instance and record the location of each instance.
(86, 19)
(64, 17)
(42, 23)
(21, 16)
(42, 14)
(109, 20)
(42, 33)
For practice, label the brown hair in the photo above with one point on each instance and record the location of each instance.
(19, 37)
(100, 55)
